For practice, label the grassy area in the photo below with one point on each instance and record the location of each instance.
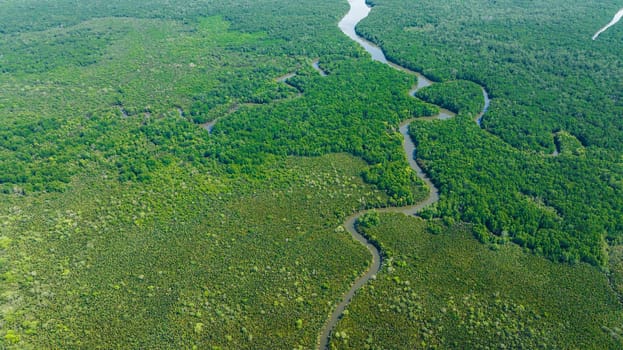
(442, 289)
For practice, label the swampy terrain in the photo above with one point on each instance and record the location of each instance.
(273, 174)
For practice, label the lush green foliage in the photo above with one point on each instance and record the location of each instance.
(124, 224)
(188, 259)
(446, 291)
(536, 59)
(149, 221)
(517, 195)
(456, 96)
(325, 118)
(201, 74)
(127, 115)
(552, 88)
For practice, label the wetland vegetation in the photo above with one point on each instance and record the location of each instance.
(125, 224)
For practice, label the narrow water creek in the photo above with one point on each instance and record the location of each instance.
(358, 11)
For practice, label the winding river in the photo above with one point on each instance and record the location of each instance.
(358, 11)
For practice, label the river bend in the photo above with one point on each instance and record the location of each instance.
(358, 11)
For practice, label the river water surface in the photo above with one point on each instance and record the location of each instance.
(615, 20)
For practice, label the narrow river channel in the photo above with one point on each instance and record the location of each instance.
(358, 11)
